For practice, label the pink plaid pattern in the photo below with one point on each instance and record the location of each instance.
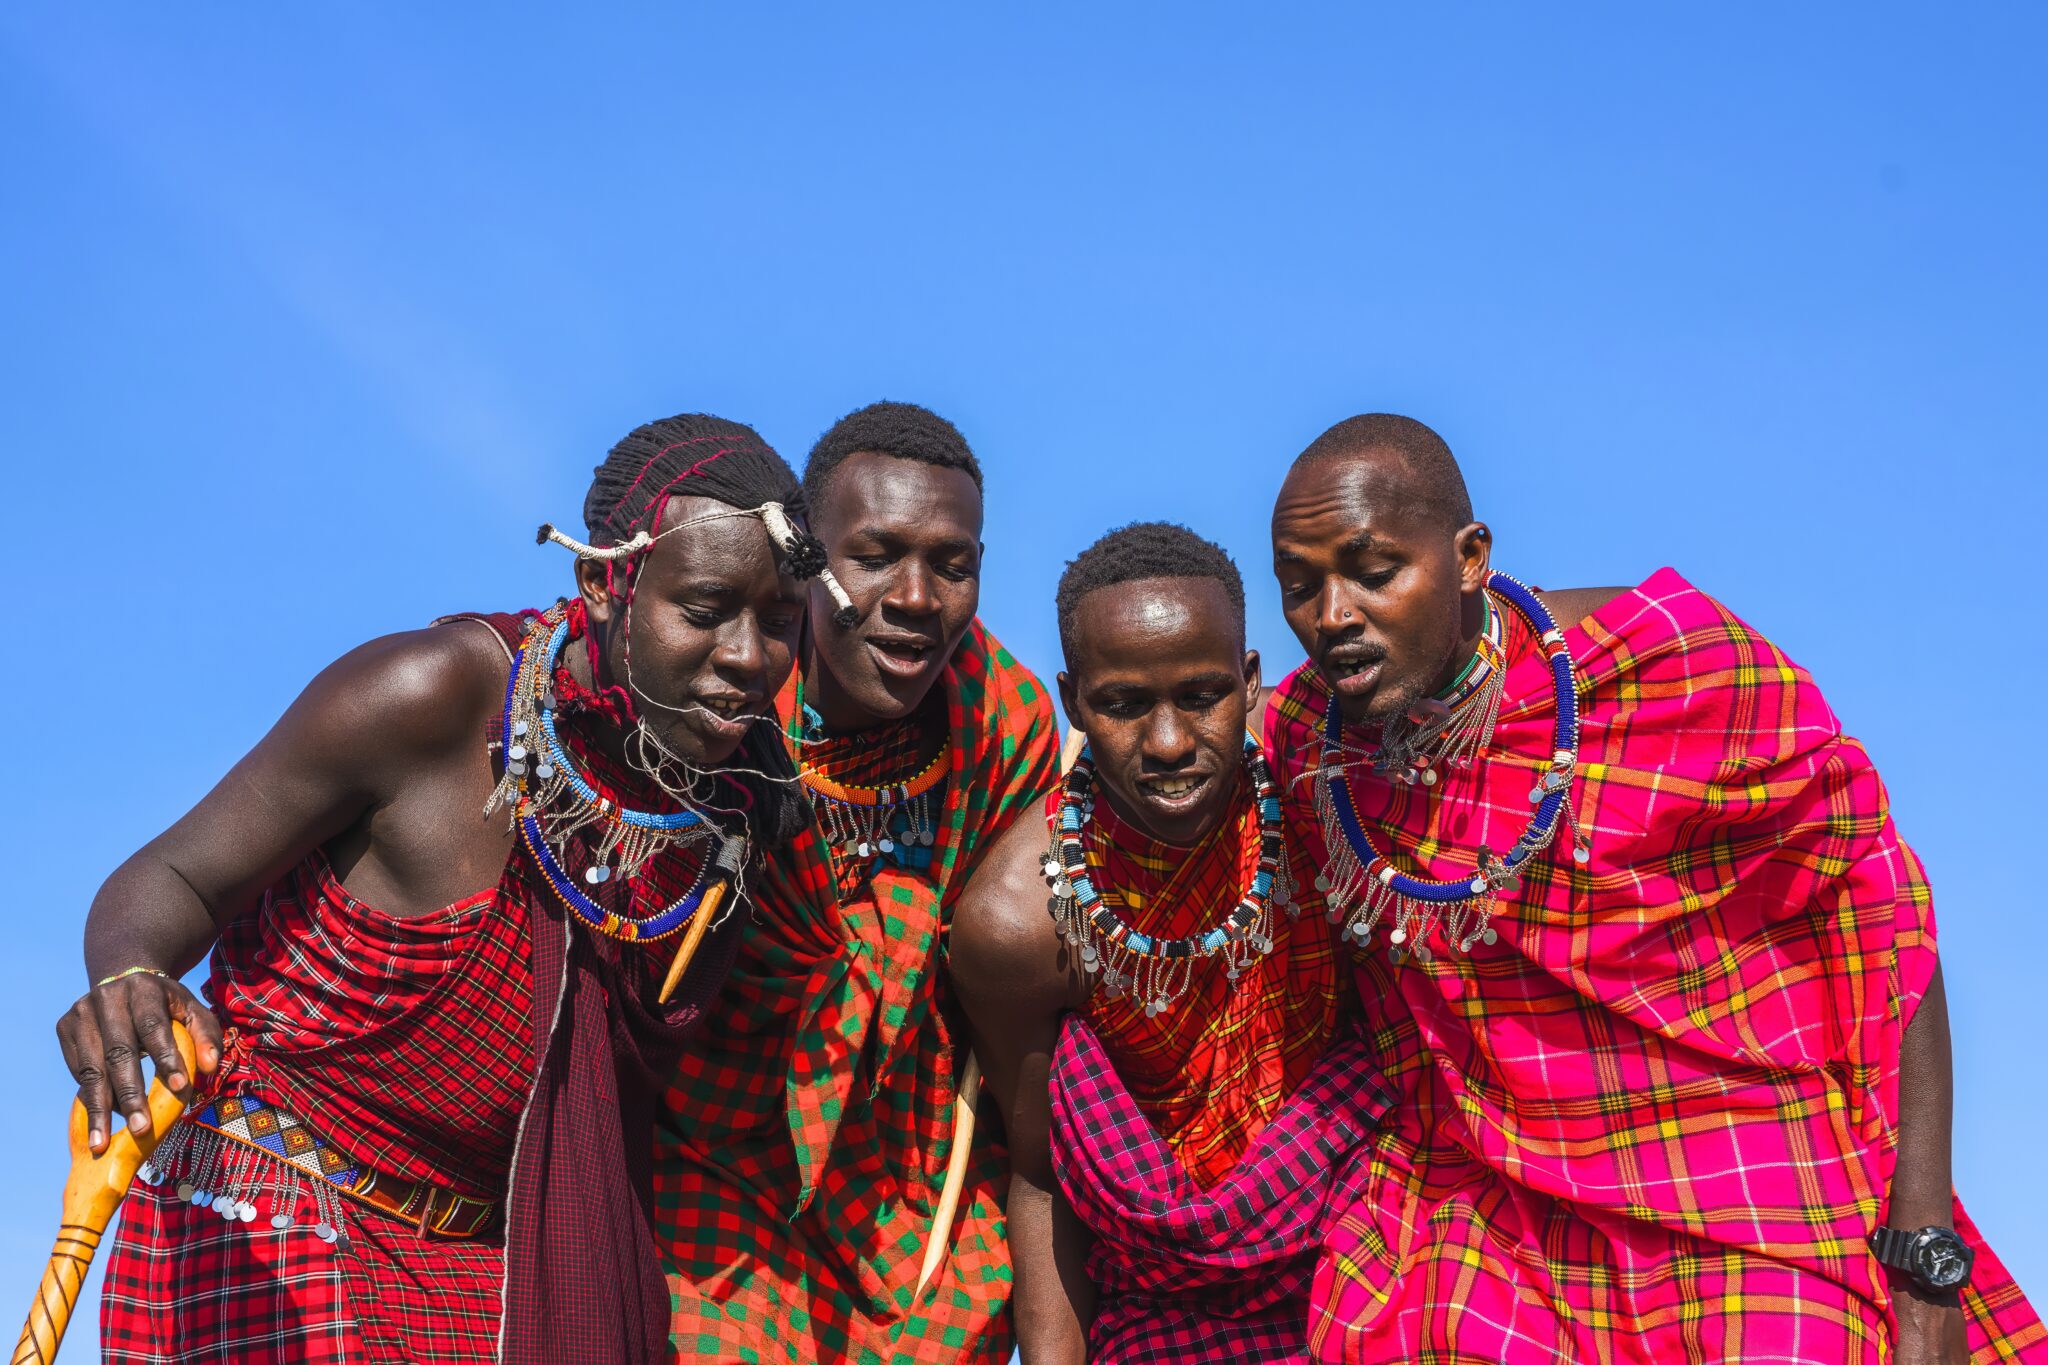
(1192, 1274)
(1656, 1121)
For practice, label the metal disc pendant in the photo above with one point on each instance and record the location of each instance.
(887, 845)
(1490, 937)
(280, 1221)
(1323, 882)
(326, 1232)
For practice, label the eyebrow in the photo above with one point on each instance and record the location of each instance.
(892, 537)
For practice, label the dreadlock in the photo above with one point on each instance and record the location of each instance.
(698, 455)
(724, 460)
(1144, 549)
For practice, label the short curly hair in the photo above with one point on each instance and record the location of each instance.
(904, 430)
(1145, 549)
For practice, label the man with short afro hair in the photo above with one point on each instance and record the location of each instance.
(1159, 1060)
(810, 1131)
(905, 430)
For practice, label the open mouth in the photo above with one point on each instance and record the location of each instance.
(728, 716)
(1353, 676)
(900, 655)
(1177, 793)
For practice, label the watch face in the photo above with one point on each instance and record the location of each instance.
(1940, 1259)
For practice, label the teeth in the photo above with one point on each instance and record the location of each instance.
(1172, 789)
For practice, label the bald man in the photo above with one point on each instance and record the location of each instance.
(1650, 971)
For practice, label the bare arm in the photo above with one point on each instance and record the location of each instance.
(1016, 984)
(1930, 1326)
(390, 716)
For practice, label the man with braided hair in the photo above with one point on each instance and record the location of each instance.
(812, 1130)
(422, 1126)
(1644, 961)
(1178, 1093)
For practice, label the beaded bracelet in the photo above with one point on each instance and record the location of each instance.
(132, 971)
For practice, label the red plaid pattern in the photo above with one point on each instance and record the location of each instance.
(406, 1040)
(1211, 1071)
(185, 1288)
(1654, 1123)
(1188, 1273)
(810, 1128)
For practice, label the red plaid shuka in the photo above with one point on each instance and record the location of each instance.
(410, 1037)
(1193, 1144)
(1656, 1121)
(489, 1048)
(1188, 1273)
(811, 1124)
(1211, 1071)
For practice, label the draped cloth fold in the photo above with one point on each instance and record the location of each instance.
(493, 1048)
(1657, 1121)
(809, 1126)
(1188, 1272)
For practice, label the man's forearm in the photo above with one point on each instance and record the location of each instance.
(1922, 1180)
(1053, 1301)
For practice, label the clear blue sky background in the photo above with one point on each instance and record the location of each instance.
(309, 318)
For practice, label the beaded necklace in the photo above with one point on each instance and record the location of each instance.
(1157, 972)
(867, 822)
(550, 801)
(1361, 885)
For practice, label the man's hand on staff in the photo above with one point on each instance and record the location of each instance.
(106, 1034)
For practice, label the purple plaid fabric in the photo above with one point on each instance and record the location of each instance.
(1186, 1274)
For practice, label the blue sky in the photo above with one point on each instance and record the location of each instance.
(309, 317)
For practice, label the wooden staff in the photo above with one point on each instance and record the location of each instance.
(94, 1190)
(941, 1238)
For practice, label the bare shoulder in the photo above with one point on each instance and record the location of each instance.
(1004, 951)
(412, 692)
(1569, 606)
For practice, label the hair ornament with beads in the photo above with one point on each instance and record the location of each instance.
(802, 553)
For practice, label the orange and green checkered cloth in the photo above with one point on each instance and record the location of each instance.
(1656, 1121)
(807, 1136)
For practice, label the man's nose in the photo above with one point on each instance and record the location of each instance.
(1169, 739)
(1335, 613)
(741, 651)
(913, 593)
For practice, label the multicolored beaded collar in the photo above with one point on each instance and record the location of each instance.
(551, 801)
(1157, 972)
(867, 822)
(1360, 884)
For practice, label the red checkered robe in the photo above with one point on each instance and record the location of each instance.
(413, 1045)
(1210, 1071)
(811, 1123)
(1656, 1121)
(1207, 1148)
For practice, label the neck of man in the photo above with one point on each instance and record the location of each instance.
(840, 714)
(1473, 614)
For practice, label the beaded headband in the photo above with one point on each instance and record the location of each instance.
(803, 553)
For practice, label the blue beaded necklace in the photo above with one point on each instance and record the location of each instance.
(550, 800)
(1361, 886)
(1157, 972)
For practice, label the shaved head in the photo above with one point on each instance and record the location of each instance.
(1422, 469)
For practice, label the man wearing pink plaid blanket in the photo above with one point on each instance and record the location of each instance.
(1646, 965)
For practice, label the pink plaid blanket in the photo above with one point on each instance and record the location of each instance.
(1186, 1274)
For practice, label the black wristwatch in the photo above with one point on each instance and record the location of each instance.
(1934, 1258)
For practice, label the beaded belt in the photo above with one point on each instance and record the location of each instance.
(257, 1124)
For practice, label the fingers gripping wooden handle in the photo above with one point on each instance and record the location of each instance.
(91, 1194)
